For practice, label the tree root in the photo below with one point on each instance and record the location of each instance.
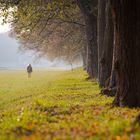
(109, 91)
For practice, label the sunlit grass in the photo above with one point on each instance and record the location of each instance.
(59, 105)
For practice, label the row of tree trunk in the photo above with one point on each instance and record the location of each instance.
(86, 8)
(113, 47)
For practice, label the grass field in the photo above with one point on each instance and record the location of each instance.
(60, 105)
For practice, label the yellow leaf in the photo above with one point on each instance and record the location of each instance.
(118, 138)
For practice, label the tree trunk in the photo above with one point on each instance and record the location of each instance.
(107, 53)
(112, 82)
(84, 57)
(87, 9)
(101, 30)
(127, 64)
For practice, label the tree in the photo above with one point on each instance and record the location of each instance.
(100, 32)
(87, 7)
(127, 44)
(107, 48)
(51, 28)
(56, 10)
(59, 40)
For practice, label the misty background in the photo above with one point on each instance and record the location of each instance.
(11, 57)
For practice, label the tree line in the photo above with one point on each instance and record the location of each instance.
(104, 34)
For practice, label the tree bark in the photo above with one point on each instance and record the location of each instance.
(107, 53)
(84, 57)
(127, 63)
(112, 82)
(101, 29)
(87, 9)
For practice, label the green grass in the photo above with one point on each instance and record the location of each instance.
(59, 105)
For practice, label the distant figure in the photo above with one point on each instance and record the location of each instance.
(29, 70)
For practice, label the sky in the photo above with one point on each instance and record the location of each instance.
(4, 28)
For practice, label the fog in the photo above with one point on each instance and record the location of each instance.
(11, 57)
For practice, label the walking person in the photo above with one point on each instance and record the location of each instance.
(29, 70)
